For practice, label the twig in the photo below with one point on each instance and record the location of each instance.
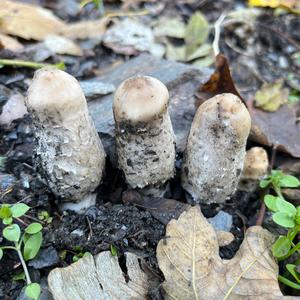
(217, 27)
(29, 64)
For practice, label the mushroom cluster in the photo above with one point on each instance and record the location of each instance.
(71, 158)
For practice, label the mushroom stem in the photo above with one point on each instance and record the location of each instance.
(145, 140)
(214, 156)
(68, 152)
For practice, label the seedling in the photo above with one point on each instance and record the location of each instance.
(77, 253)
(45, 217)
(285, 214)
(27, 244)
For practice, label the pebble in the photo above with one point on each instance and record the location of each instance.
(46, 258)
(94, 88)
(222, 221)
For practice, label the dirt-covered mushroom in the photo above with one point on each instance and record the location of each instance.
(255, 168)
(145, 141)
(68, 152)
(215, 151)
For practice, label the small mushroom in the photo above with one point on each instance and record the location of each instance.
(69, 153)
(215, 151)
(255, 168)
(145, 141)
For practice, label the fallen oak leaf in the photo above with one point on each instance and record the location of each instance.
(99, 277)
(189, 259)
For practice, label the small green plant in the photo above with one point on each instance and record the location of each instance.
(286, 215)
(27, 243)
(45, 217)
(77, 253)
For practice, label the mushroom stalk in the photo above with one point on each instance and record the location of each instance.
(215, 151)
(68, 152)
(145, 141)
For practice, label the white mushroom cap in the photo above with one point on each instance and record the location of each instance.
(256, 163)
(140, 99)
(55, 93)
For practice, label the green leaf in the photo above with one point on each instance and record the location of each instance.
(286, 207)
(292, 269)
(281, 247)
(1, 253)
(33, 228)
(33, 291)
(201, 51)
(75, 258)
(289, 181)
(270, 202)
(19, 209)
(264, 183)
(32, 246)
(5, 212)
(113, 250)
(283, 219)
(12, 233)
(196, 32)
(20, 276)
(7, 221)
(289, 283)
(86, 254)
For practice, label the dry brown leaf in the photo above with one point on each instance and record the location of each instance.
(28, 21)
(99, 277)
(189, 258)
(220, 81)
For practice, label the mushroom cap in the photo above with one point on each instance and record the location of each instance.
(256, 163)
(54, 92)
(227, 107)
(140, 99)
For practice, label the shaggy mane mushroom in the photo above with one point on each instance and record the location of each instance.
(144, 134)
(68, 151)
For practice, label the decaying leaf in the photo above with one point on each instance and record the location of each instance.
(196, 32)
(99, 277)
(271, 96)
(28, 21)
(220, 81)
(280, 128)
(85, 29)
(10, 43)
(189, 258)
(131, 37)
